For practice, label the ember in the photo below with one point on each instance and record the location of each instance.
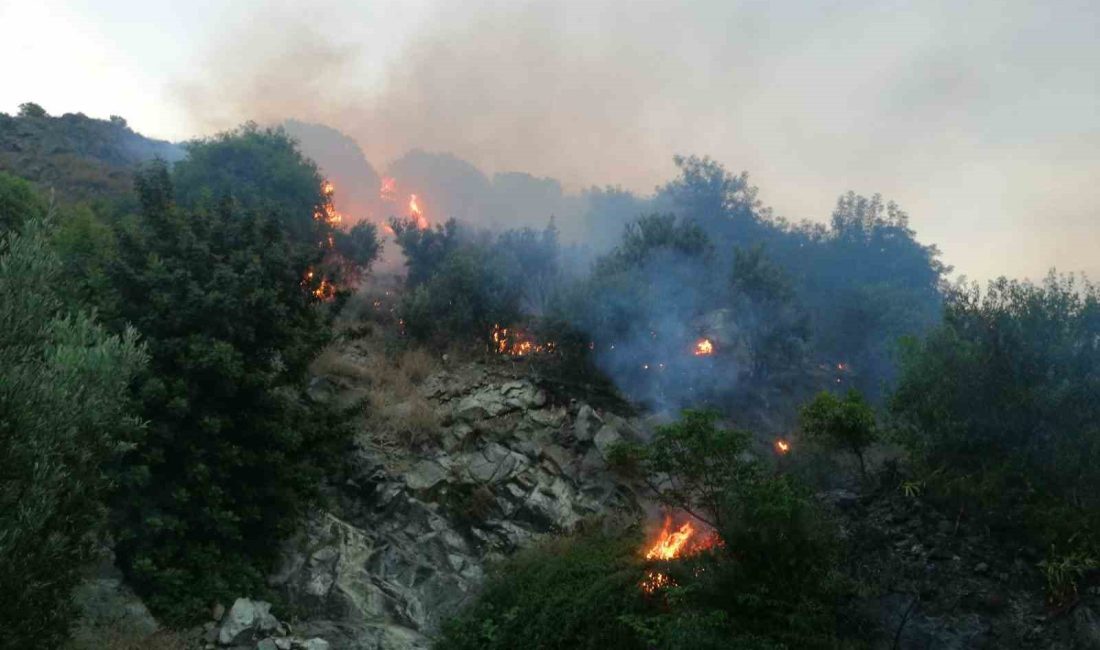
(518, 343)
(704, 348)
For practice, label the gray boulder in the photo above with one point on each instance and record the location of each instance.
(245, 619)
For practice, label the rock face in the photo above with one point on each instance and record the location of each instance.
(408, 544)
(246, 617)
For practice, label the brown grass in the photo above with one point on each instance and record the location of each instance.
(117, 638)
(334, 362)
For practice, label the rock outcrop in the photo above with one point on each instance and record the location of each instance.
(408, 545)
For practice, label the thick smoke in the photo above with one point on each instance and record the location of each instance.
(814, 101)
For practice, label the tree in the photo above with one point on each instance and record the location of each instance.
(699, 465)
(18, 203)
(769, 581)
(30, 109)
(261, 169)
(234, 450)
(63, 396)
(424, 248)
(843, 423)
(1004, 396)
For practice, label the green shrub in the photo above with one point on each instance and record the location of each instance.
(770, 584)
(1000, 406)
(233, 451)
(568, 593)
(846, 423)
(63, 388)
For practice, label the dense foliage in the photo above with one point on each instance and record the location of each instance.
(65, 416)
(769, 584)
(569, 593)
(461, 283)
(1004, 399)
(232, 449)
(78, 157)
(846, 423)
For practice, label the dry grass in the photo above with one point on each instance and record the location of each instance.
(334, 362)
(117, 638)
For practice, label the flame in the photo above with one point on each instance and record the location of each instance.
(669, 545)
(326, 212)
(388, 191)
(417, 213)
(703, 348)
(517, 343)
(782, 447)
(672, 544)
(324, 291)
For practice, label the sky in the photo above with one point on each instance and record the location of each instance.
(981, 119)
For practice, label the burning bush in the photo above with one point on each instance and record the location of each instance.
(469, 286)
(743, 559)
(755, 547)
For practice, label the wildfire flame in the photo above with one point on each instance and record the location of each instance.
(703, 348)
(782, 447)
(324, 291)
(417, 213)
(517, 343)
(326, 212)
(388, 191)
(669, 544)
(672, 544)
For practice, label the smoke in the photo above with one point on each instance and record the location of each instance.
(929, 103)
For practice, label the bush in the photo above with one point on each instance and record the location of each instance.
(846, 423)
(768, 584)
(568, 593)
(233, 451)
(63, 387)
(1004, 399)
(18, 203)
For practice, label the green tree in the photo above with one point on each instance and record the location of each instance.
(1004, 399)
(261, 169)
(30, 109)
(846, 423)
(63, 387)
(233, 450)
(18, 203)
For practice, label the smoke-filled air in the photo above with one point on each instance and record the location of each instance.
(492, 325)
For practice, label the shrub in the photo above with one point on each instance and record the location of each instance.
(568, 593)
(63, 387)
(1003, 399)
(841, 422)
(769, 584)
(233, 451)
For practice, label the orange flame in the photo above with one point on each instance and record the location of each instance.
(388, 191)
(324, 291)
(417, 213)
(518, 343)
(670, 545)
(326, 212)
(703, 348)
(782, 447)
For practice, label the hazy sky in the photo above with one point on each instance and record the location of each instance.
(982, 119)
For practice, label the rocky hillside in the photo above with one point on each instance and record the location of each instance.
(412, 531)
(503, 460)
